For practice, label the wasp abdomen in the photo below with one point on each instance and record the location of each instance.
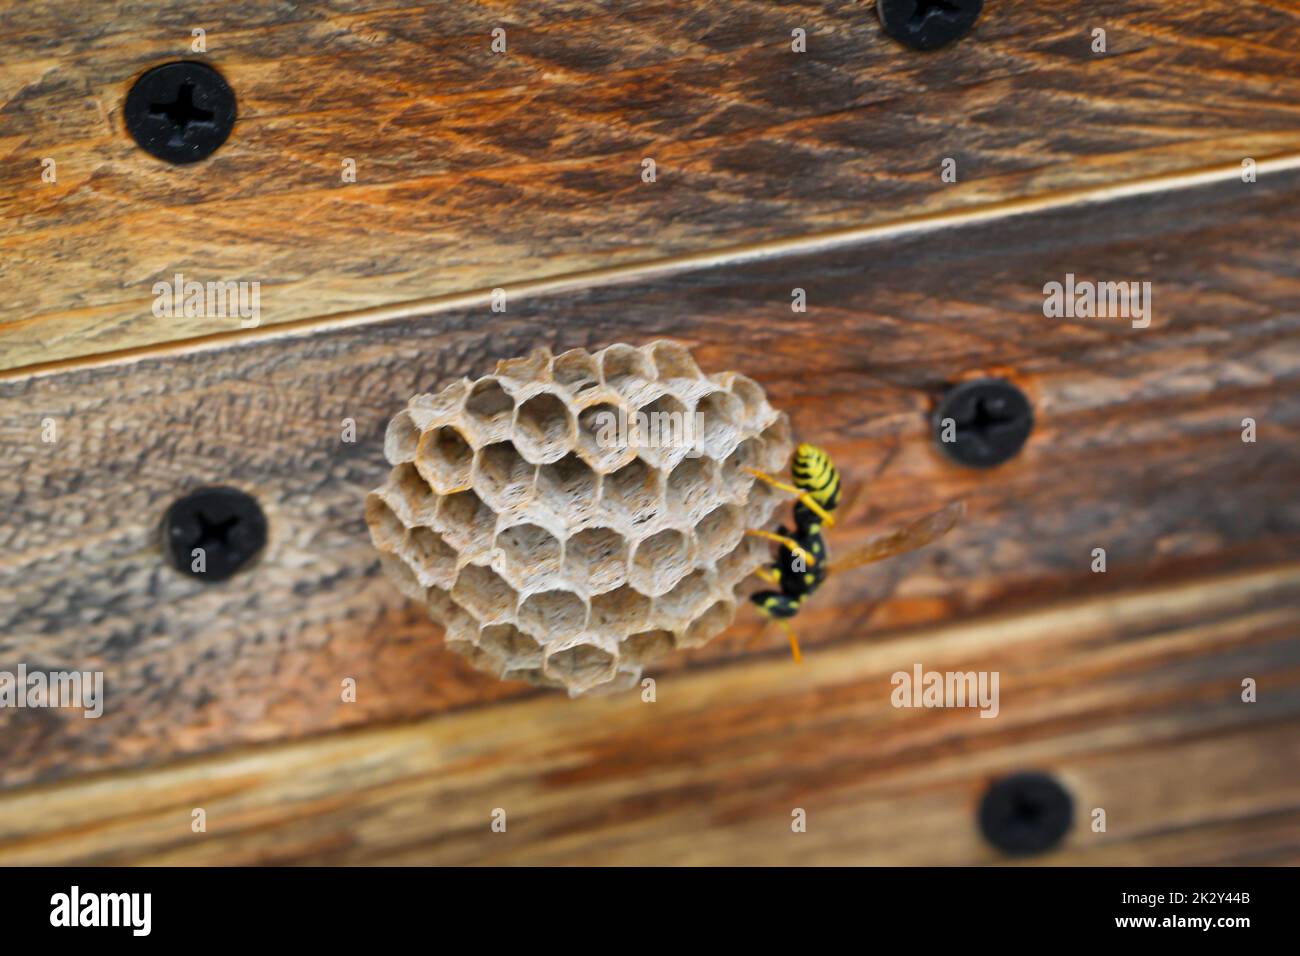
(815, 473)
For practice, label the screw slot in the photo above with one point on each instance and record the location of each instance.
(1025, 814)
(928, 24)
(181, 111)
(992, 420)
(225, 522)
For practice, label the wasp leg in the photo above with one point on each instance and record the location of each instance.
(770, 575)
(776, 606)
(790, 543)
(794, 641)
(805, 498)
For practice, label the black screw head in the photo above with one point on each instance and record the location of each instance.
(1025, 813)
(181, 111)
(225, 522)
(928, 24)
(990, 421)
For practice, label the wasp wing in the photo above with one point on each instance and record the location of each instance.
(907, 538)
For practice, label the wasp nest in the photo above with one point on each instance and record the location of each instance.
(571, 517)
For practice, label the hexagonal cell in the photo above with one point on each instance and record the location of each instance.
(752, 399)
(666, 432)
(456, 621)
(619, 612)
(709, 624)
(445, 459)
(402, 576)
(408, 493)
(688, 488)
(721, 412)
(627, 371)
(490, 408)
(386, 529)
(660, 561)
(748, 454)
(568, 487)
(763, 501)
(645, 647)
(597, 556)
(719, 532)
(504, 477)
(432, 559)
(400, 438)
(581, 665)
(737, 483)
(511, 645)
(577, 371)
(738, 564)
(531, 554)
(466, 521)
(676, 609)
(632, 493)
(603, 438)
(776, 445)
(544, 429)
(674, 362)
(484, 593)
(552, 616)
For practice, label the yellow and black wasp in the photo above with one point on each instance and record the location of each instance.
(801, 561)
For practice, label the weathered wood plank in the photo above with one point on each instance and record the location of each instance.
(1137, 449)
(475, 170)
(1132, 701)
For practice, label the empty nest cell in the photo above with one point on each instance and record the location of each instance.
(485, 594)
(504, 478)
(632, 493)
(530, 554)
(581, 665)
(544, 429)
(660, 561)
(552, 616)
(489, 409)
(510, 645)
(601, 436)
(445, 458)
(467, 521)
(598, 556)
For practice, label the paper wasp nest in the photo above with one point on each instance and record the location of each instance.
(560, 537)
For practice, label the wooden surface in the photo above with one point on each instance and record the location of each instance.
(475, 170)
(775, 173)
(1137, 449)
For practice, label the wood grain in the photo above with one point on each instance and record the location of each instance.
(1133, 702)
(475, 170)
(1137, 449)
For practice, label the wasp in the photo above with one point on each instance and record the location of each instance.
(802, 563)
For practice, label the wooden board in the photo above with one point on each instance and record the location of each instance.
(1133, 702)
(1137, 449)
(477, 170)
